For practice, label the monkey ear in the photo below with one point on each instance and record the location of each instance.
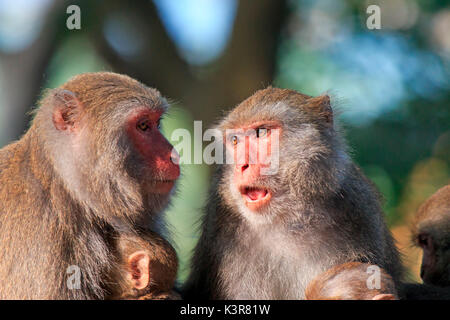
(384, 296)
(138, 266)
(66, 110)
(321, 105)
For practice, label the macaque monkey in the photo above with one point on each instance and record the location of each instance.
(352, 281)
(290, 205)
(146, 269)
(93, 165)
(431, 232)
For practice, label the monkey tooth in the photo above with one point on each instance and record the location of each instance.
(255, 194)
(255, 197)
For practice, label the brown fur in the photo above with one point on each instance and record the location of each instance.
(162, 269)
(62, 202)
(348, 281)
(435, 210)
(325, 212)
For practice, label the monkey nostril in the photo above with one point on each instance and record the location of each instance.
(245, 166)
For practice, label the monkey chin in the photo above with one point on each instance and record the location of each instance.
(162, 187)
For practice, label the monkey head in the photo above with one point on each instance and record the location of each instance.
(146, 269)
(279, 139)
(103, 135)
(431, 232)
(352, 281)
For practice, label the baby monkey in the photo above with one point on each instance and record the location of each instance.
(146, 269)
(352, 281)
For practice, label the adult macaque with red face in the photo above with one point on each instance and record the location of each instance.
(92, 166)
(290, 207)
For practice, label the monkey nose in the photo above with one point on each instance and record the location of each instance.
(242, 168)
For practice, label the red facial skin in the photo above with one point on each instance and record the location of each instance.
(247, 174)
(155, 149)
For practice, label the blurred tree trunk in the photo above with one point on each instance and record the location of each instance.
(22, 76)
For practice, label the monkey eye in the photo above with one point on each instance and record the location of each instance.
(262, 132)
(143, 126)
(234, 140)
(422, 239)
(158, 124)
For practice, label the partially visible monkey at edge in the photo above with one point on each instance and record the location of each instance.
(93, 165)
(431, 232)
(267, 236)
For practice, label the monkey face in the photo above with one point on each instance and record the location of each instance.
(158, 159)
(435, 268)
(254, 151)
(268, 163)
(431, 230)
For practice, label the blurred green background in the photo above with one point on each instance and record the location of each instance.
(391, 86)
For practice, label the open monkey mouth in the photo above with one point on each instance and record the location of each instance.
(255, 197)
